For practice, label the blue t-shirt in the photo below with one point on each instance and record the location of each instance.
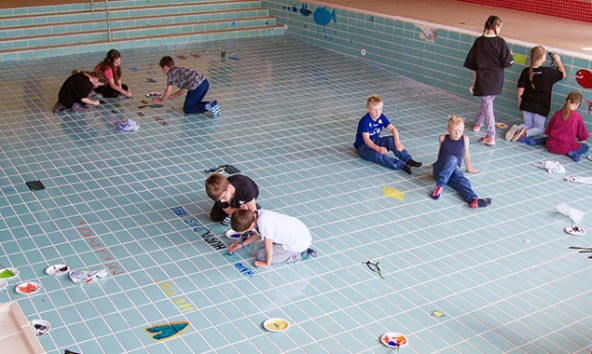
(367, 125)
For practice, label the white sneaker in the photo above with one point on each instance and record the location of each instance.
(510, 133)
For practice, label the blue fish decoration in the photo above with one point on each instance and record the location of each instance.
(322, 16)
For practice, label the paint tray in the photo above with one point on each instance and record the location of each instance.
(17, 335)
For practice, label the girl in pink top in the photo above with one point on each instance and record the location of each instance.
(111, 68)
(567, 133)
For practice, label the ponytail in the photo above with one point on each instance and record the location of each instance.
(572, 98)
(536, 54)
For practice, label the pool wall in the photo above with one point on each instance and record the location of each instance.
(428, 53)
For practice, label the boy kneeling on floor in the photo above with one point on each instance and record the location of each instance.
(285, 239)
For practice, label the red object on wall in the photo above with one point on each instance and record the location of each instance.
(578, 10)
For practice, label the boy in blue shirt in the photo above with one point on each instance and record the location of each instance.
(454, 149)
(372, 147)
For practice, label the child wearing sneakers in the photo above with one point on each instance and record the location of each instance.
(195, 83)
(454, 148)
(535, 87)
(488, 58)
(75, 91)
(231, 194)
(372, 147)
(285, 238)
(567, 132)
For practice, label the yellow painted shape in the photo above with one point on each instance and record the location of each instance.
(393, 193)
(519, 59)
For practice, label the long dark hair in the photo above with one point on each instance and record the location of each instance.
(108, 63)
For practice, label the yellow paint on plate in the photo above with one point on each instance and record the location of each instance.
(276, 324)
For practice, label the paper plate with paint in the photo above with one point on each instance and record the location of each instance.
(3, 283)
(57, 269)
(86, 277)
(575, 230)
(40, 327)
(394, 340)
(233, 234)
(27, 288)
(276, 324)
(501, 125)
(8, 273)
(154, 94)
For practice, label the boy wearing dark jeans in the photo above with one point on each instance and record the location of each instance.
(372, 147)
(194, 82)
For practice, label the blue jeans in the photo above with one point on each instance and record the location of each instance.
(533, 141)
(193, 100)
(534, 123)
(446, 171)
(367, 153)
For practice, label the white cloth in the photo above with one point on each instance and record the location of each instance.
(285, 230)
(584, 180)
(551, 166)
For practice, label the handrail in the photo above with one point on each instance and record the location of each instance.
(92, 9)
(108, 21)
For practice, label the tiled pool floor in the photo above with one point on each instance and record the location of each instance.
(503, 277)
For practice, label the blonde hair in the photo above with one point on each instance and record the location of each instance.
(572, 98)
(373, 100)
(536, 54)
(241, 220)
(491, 24)
(455, 120)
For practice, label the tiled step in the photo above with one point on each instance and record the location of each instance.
(85, 6)
(133, 32)
(71, 29)
(103, 46)
(127, 12)
(88, 26)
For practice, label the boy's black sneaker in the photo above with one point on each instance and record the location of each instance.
(407, 169)
(414, 163)
(480, 203)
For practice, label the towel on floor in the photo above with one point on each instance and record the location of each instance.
(551, 166)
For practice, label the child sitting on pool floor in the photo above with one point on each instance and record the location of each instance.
(75, 91)
(372, 147)
(454, 148)
(285, 238)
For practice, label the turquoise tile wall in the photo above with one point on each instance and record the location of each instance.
(399, 46)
